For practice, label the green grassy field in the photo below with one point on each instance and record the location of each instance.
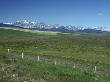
(83, 49)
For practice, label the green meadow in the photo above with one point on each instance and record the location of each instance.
(84, 50)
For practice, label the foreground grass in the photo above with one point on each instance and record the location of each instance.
(30, 71)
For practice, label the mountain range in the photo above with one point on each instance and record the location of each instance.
(53, 27)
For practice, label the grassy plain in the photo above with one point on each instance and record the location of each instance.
(83, 49)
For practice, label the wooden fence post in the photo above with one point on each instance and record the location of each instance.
(95, 69)
(55, 62)
(8, 50)
(22, 55)
(38, 58)
(74, 66)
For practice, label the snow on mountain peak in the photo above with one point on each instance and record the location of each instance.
(43, 26)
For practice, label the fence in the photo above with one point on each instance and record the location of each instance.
(62, 61)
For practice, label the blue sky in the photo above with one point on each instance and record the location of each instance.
(63, 12)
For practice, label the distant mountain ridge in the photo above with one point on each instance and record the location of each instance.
(55, 27)
(8, 25)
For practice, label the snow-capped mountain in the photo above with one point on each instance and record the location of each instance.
(43, 26)
(8, 23)
(34, 25)
(55, 27)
